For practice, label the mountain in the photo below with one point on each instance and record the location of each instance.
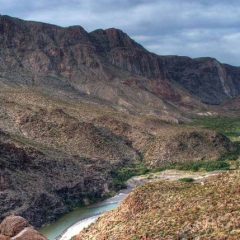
(79, 109)
(109, 65)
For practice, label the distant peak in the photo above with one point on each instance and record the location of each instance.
(114, 30)
(113, 37)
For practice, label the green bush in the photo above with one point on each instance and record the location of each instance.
(187, 180)
(216, 165)
(122, 175)
(204, 165)
(197, 166)
(227, 126)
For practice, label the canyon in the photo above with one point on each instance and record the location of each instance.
(82, 111)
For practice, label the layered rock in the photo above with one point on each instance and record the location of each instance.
(108, 61)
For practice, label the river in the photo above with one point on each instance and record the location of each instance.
(72, 223)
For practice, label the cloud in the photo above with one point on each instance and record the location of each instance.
(184, 27)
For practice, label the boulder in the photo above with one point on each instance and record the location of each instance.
(12, 225)
(18, 228)
(29, 233)
(2, 237)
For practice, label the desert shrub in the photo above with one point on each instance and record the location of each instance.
(204, 165)
(187, 180)
(197, 166)
(122, 175)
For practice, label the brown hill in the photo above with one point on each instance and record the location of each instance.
(174, 210)
(186, 145)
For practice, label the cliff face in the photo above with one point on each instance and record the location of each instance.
(31, 52)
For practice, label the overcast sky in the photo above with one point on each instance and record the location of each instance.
(168, 27)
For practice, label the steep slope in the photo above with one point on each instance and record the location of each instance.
(58, 129)
(126, 74)
(42, 185)
(174, 210)
(51, 160)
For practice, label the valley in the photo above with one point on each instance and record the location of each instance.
(82, 112)
(69, 225)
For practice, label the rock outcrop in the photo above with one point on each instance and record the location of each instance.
(18, 228)
(106, 63)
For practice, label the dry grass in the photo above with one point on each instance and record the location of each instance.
(175, 210)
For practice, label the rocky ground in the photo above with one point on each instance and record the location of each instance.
(174, 210)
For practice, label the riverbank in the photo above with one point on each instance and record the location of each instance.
(71, 224)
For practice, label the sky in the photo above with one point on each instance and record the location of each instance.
(194, 28)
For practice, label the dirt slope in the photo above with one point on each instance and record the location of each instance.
(173, 210)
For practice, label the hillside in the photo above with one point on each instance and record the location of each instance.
(81, 112)
(174, 210)
(108, 65)
(58, 153)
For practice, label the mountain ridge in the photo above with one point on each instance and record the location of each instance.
(81, 111)
(109, 57)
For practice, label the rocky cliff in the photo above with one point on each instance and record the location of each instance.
(109, 65)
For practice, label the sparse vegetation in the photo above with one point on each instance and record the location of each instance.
(122, 175)
(197, 166)
(175, 210)
(227, 126)
(204, 165)
(187, 180)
